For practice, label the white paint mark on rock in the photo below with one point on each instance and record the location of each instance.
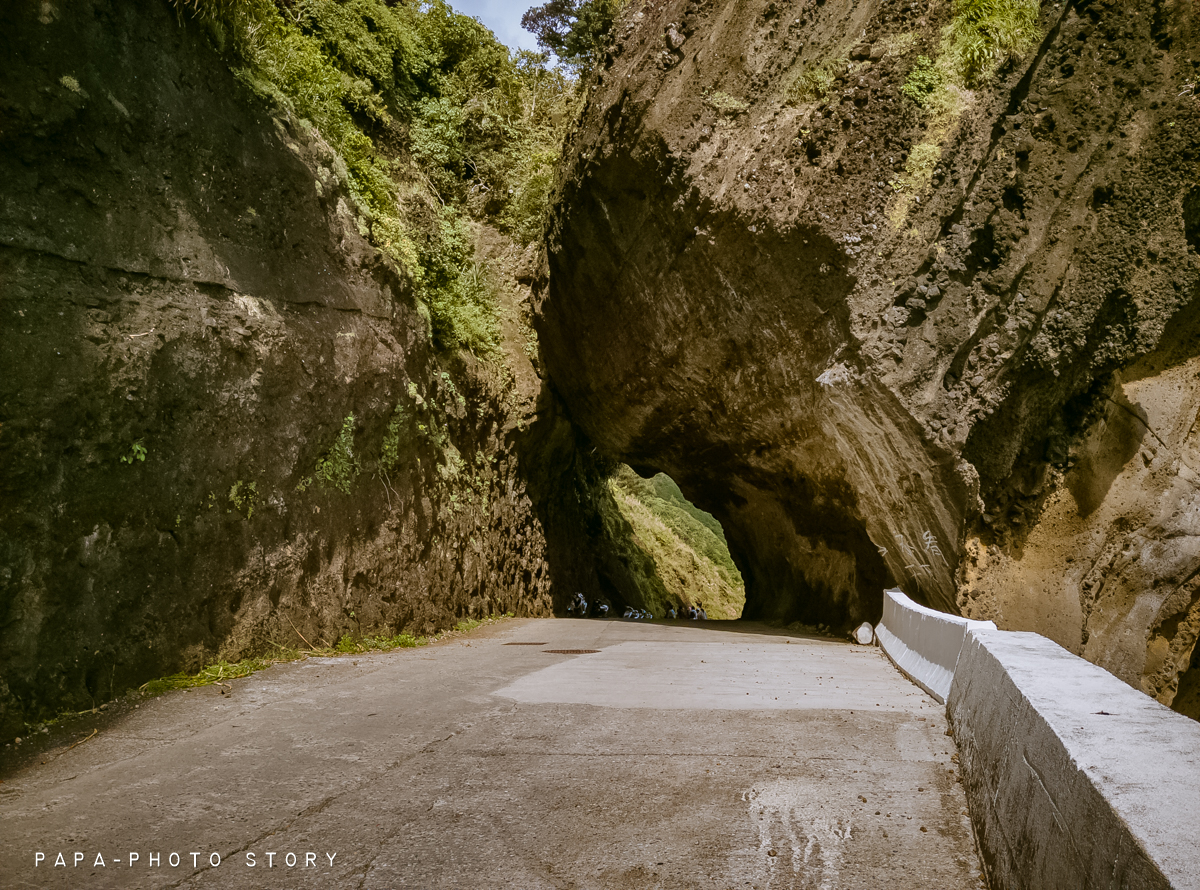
(837, 375)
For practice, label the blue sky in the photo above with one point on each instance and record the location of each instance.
(503, 17)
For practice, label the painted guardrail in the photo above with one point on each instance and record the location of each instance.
(1075, 780)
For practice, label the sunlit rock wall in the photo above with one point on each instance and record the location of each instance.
(883, 344)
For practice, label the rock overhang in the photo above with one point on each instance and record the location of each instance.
(758, 296)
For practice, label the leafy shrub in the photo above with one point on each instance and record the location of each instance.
(137, 452)
(244, 496)
(390, 452)
(922, 80)
(461, 306)
(339, 466)
(524, 216)
(293, 63)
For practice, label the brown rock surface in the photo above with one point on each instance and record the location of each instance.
(955, 352)
(182, 269)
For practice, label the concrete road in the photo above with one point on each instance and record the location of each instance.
(677, 756)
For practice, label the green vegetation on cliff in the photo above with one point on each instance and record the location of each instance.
(981, 37)
(339, 466)
(435, 124)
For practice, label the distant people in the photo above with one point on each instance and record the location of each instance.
(578, 606)
(671, 612)
(602, 610)
(703, 615)
(693, 613)
(628, 612)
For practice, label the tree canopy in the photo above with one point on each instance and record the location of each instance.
(574, 30)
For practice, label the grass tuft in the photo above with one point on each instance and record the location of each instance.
(217, 672)
(220, 671)
(723, 103)
(814, 82)
(984, 34)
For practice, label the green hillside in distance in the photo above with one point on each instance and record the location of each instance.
(689, 561)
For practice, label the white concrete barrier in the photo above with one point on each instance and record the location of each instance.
(1075, 779)
(923, 643)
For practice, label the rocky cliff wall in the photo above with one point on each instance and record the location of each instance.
(948, 346)
(194, 318)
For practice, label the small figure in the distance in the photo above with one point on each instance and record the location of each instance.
(671, 612)
(602, 610)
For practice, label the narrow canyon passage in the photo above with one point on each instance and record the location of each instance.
(536, 753)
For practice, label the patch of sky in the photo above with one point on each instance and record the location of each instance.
(503, 17)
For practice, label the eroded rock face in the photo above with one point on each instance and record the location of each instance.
(887, 345)
(182, 270)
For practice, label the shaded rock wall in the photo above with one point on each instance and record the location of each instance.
(182, 270)
(883, 344)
